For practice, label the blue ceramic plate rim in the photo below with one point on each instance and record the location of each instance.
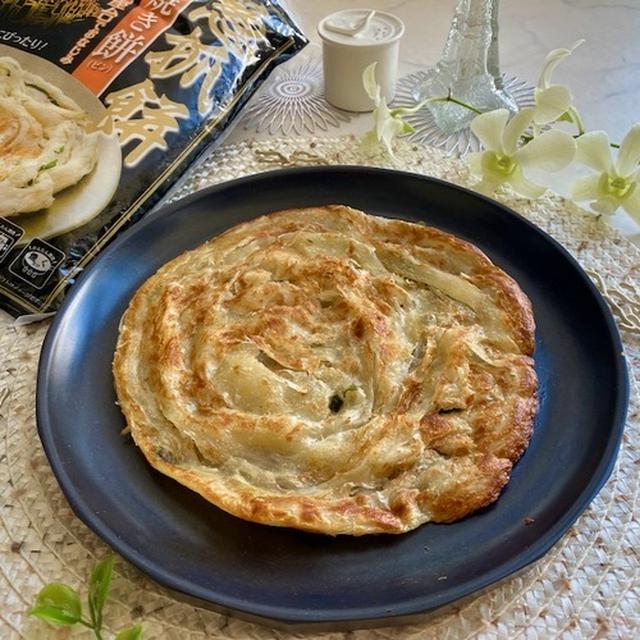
(377, 614)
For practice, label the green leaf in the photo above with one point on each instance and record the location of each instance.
(133, 633)
(58, 603)
(99, 589)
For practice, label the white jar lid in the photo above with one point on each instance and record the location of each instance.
(378, 29)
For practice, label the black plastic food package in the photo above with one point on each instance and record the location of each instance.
(103, 104)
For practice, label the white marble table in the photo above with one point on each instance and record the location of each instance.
(604, 74)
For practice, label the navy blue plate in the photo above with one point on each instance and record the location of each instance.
(193, 548)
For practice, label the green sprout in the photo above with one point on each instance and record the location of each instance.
(59, 604)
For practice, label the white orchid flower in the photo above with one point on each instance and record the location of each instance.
(388, 123)
(554, 101)
(618, 182)
(503, 160)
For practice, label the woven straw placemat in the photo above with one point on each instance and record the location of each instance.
(586, 587)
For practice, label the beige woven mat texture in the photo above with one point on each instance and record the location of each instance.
(586, 587)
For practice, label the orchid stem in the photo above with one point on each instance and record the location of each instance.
(450, 98)
(447, 98)
(574, 114)
(614, 145)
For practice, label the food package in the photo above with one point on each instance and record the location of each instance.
(103, 104)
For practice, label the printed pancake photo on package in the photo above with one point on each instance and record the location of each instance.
(103, 104)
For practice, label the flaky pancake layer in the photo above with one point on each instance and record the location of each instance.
(332, 371)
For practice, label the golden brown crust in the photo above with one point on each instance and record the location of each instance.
(331, 371)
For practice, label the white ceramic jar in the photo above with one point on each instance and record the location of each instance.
(351, 40)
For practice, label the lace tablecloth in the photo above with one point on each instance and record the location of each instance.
(587, 586)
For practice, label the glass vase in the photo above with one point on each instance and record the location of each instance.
(469, 69)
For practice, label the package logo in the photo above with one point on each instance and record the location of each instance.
(37, 263)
